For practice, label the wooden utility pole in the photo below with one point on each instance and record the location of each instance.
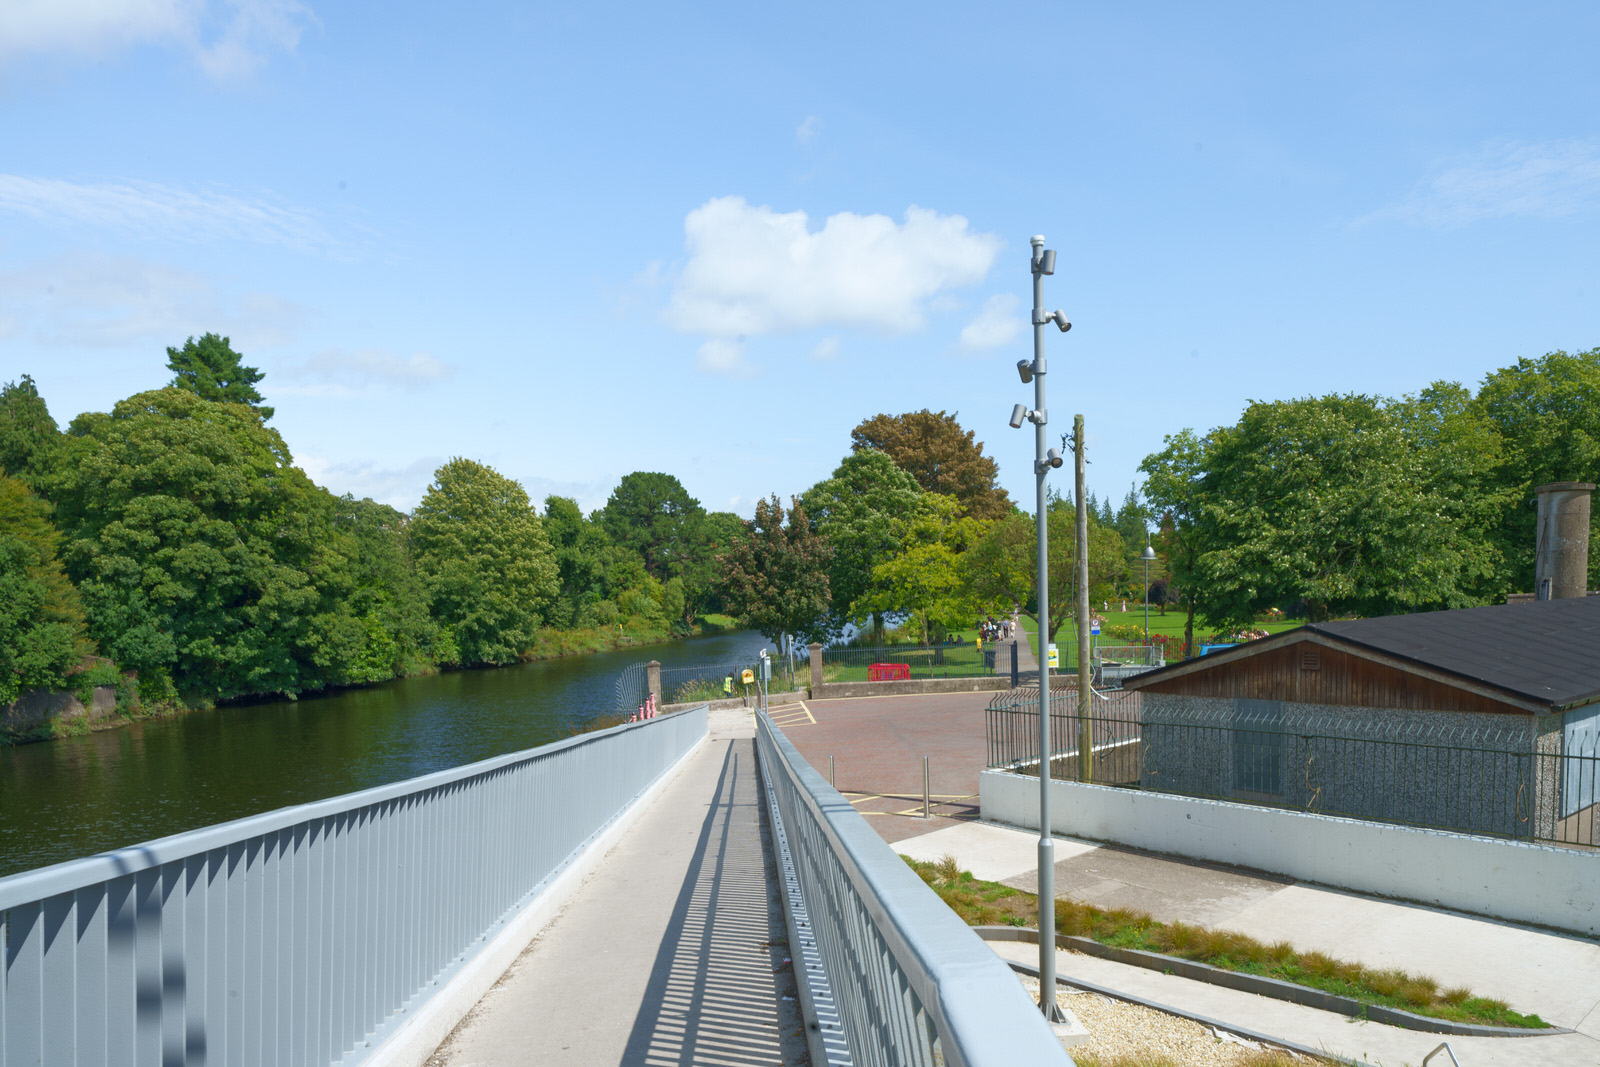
(1081, 609)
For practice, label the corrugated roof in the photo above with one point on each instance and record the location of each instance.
(1546, 651)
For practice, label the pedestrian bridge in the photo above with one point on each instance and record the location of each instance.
(665, 873)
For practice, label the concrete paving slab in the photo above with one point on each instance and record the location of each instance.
(993, 853)
(673, 952)
(1169, 890)
(1554, 975)
(1374, 1043)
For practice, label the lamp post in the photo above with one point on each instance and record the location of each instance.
(1044, 461)
(1149, 554)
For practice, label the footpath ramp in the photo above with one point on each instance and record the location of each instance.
(674, 950)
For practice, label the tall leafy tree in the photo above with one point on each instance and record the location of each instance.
(1547, 414)
(396, 634)
(200, 550)
(777, 575)
(29, 437)
(860, 511)
(580, 548)
(1175, 485)
(41, 618)
(485, 560)
(653, 516)
(925, 577)
(211, 369)
(943, 458)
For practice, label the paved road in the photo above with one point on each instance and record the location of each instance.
(673, 951)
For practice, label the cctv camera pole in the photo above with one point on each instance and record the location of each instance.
(1041, 467)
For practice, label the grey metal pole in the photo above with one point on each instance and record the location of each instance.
(1085, 691)
(927, 797)
(1147, 603)
(830, 772)
(1047, 848)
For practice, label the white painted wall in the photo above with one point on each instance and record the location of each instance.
(1512, 880)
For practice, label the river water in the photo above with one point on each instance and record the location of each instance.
(80, 795)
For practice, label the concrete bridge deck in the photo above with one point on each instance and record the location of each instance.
(673, 951)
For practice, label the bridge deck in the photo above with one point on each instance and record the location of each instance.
(672, 952)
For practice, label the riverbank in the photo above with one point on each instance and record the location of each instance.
(68, 714)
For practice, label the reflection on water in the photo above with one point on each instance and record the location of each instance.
(83, 795)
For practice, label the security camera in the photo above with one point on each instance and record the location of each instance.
(1060, 319)
(1047, 261)
(1018, 414)
(1053, 457)
(1024, 371)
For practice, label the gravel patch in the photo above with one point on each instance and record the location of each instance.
(1119, 1030)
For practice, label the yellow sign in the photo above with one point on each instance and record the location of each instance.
(1055, 659)
(748, 676)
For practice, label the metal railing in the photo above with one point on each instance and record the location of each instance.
(308, 934)
(1518, 783)
(935, 661)
(908, 981)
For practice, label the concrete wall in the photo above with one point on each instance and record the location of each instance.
(37, 707)
(839, 690)
(1468, 771)
(1512, 880)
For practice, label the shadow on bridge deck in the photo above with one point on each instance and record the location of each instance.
(674, 950)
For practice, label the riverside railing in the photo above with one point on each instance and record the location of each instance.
(893, 975)
(305, 935)
(1518, 783)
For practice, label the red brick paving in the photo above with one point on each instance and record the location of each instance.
(878, 743)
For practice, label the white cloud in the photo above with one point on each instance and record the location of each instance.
(753, 271)
(996, 325)
(151, 210)
(807, 129)
(399, 487)
(227, 39)
(724, 356)
(336, 372)
(1507, 180)
(93, 300)
(827, 348)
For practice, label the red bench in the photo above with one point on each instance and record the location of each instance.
(889, 672)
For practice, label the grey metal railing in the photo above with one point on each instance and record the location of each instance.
(910, 983)
(304, 935)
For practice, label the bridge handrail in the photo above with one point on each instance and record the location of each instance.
(305, 934)
(905, 971)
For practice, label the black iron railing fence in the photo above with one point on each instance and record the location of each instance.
(1505, 783)
(911, 661)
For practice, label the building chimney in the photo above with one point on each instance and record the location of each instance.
(1561, 561)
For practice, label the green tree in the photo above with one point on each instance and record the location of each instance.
(29, 438)
(861, 510)
(198, 547)
(777, 575)
(943, 458)
(1175, 486)
(653, 516)
(397, 635)
(1547, 414)
(926, 576)
(1330, 501)
(580, 548)
(41, 618)
(1001, 564)
(211, 369)
(484, 559)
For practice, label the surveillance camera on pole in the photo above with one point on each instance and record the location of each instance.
(1045, 461)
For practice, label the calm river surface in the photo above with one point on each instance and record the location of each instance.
(63, 799)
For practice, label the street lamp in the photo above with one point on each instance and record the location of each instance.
(1044, 461)
(1149, 554)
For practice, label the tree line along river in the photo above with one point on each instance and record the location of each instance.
(81, 795)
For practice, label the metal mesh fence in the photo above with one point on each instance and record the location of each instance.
(911, 661)
(1502, 782)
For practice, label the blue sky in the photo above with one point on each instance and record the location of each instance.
(574, 242)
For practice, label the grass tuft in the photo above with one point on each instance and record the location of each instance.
(981, 903)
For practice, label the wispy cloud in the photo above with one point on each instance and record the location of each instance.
(827, 348)
(997, 324)
(807, 129)
(152, 210)
(1506, 180)
(399, 487)
(754, 271)
(336, 372)
(92, 300)
(227, 39)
